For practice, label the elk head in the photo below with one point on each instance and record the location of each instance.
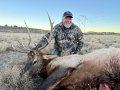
(35, 61)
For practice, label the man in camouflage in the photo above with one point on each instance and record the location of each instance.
(67, 36)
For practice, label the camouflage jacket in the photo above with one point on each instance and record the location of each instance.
(67, 40)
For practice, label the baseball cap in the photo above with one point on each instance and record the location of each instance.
(68, 14)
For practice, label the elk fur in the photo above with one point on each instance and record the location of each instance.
(97, 67)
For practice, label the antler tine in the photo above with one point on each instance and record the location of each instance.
(28, 34)
(48, 40)
(51, 23)
(18, 50)
(24, 47)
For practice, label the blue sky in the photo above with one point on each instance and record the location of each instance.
(97, 15)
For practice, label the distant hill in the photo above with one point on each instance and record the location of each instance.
(101, 33)
(16, 29)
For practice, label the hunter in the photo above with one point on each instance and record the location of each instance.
(67, 36)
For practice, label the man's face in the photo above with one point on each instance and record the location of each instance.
(67, 21)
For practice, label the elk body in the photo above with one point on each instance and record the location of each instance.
(99, 70)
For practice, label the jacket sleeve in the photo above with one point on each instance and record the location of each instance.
(79, 39)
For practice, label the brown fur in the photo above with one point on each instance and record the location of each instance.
(91, 73)
(44, 72)
(93, 69)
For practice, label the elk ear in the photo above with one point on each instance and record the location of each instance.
(104, 86)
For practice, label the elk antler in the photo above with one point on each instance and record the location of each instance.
(25, 49)
(21, 47)
(28, 34)
(48, 40)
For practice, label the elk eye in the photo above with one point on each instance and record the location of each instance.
(32, 54)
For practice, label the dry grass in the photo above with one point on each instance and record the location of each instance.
(92, 42)
(9, 74)
(8, 39)
(10, 78)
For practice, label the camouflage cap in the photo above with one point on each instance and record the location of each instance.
(68, 14)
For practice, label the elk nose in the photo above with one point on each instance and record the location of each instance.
(27, 66)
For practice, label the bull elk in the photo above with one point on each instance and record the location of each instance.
(99, 70)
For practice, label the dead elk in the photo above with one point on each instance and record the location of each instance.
(99, 70)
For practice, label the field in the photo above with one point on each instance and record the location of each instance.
(11, 62)
(92, 42)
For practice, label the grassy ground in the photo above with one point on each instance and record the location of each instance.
(11, 62)
(92, 42)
